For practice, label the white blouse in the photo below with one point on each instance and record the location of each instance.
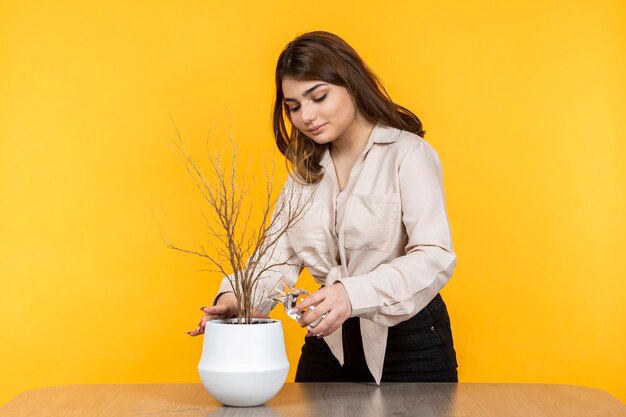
(385, 237)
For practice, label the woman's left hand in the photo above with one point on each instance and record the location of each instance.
(333, 301)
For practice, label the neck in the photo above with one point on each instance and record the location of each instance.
(352, 142)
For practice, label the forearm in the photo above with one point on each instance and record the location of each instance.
(395, 291)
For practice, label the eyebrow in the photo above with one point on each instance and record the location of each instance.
(307, 92)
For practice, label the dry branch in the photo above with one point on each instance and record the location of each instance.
(243, 252)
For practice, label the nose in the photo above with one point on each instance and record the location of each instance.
(308, 113)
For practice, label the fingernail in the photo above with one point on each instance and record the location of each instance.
(202, 308)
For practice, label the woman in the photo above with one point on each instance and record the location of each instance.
(376, 235)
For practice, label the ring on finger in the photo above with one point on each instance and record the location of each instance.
(317, 322)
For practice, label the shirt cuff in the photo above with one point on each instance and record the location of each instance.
(363, 297)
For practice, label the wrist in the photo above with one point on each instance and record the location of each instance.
(225, 298)
(346, 297)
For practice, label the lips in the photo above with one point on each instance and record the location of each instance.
(314, 129)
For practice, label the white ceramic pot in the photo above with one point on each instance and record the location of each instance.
(243, 365)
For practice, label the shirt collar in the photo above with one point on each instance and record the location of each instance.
(384, 134)
(380, 134)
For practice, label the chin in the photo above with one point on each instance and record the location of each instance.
(322, 139)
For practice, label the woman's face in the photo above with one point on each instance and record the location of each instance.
(322, 111)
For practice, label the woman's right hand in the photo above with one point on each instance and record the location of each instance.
(225, 308)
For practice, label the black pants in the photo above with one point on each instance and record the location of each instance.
(418, 350)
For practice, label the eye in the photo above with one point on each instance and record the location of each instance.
(320, 99)
(294, 108)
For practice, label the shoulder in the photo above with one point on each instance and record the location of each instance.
(409, 141)
(408, 147)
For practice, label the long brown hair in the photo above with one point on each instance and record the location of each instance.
(326, 57)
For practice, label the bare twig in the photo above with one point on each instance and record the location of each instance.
(243, 253)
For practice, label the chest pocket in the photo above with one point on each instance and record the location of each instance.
(370, 221)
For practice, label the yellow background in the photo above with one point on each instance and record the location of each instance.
(524, 101)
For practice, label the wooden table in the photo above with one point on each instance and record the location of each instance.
(325, 400)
